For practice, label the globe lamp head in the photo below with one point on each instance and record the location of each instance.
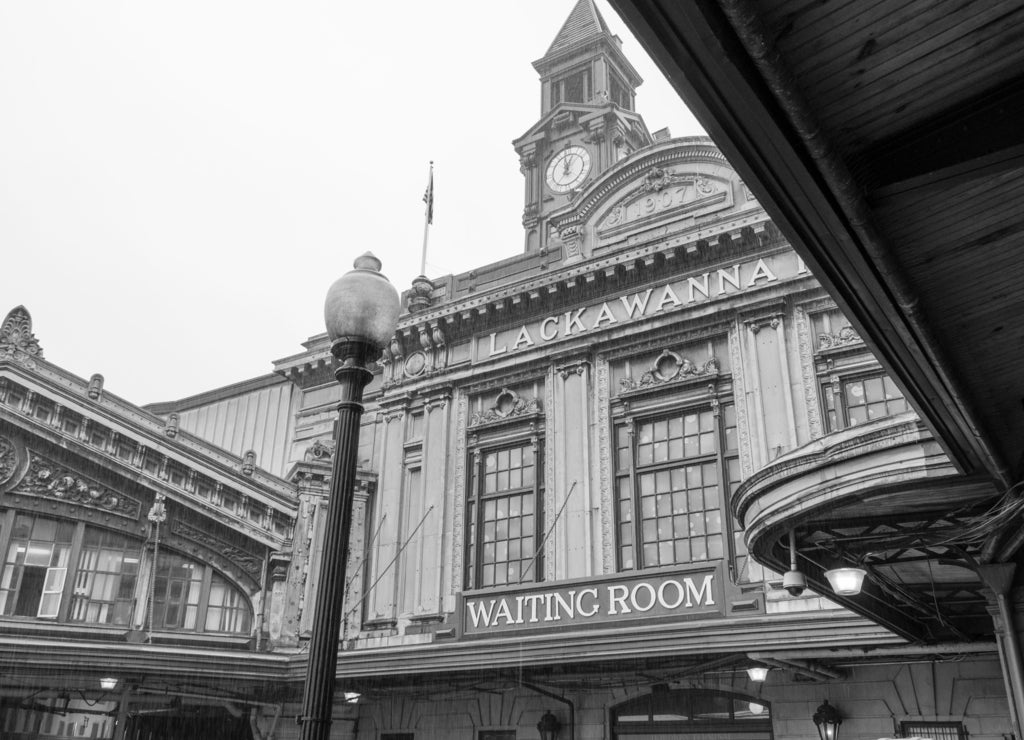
(362, 305)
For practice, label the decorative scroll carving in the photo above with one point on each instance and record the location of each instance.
(807, 377)
(396, 347)
(319, 450)
(459, 508)
(575, 368)
(248, 563)
(17, 342)
(605, 465)
(740, 397)
(48, 479)
(670, 367)
(507, 404)
(550, 514)
(842, 338)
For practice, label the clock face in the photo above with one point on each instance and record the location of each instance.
(568, 169)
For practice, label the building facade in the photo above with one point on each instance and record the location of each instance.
(558, 457)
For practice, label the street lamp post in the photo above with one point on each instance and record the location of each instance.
(361, 313)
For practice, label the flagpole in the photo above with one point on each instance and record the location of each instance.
(428, 217)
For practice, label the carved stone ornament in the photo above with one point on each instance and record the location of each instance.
(318, 451)
(656, 179)
(420, 294)
(842, 338)
(669, 367)
(17, 342)
(50, 480)
(8, 460)
(415, 364)
(248, 563)
(507, 404)
(248, 466)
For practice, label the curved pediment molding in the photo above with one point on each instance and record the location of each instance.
(670, 190)
(665, 192)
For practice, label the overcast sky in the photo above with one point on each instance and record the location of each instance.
(180, 182)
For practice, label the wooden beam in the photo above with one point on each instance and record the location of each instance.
(976, 129)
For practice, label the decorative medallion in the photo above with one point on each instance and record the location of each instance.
(842, 338)
(17, 342)
(670, 367)
(507, 404)
(318, 451)
(9, 460)
(415, 364)
(48, 479)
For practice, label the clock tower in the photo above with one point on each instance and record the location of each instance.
(587, 122)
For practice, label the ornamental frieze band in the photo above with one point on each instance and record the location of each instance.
(48, 479)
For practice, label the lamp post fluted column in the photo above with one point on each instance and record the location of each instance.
(361, 313)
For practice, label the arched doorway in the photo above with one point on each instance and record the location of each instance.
(693, 714)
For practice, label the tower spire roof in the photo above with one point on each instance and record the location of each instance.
(583, 23)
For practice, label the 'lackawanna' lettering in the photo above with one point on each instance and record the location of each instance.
(615, 600)
(622, 309)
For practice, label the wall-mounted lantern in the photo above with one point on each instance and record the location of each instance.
(827, 719)
(549, 726)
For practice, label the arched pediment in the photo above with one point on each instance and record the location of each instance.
(675, 189)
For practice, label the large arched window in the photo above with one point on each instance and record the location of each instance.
(713, 715)
(73, 572)
(191, 596)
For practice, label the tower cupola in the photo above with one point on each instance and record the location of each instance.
(585, 64)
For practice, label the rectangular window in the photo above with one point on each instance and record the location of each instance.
(151, 462)
(673, 474)
(934, 730)
(503, 517)
(849, 402)
(16, 396)
(618, 92)
(125, 449)
(227, 610)
(70, 423)
(573, 88)
(176, 593)
(108, 569)
(35, 568)
(43, 410)
(496, 735)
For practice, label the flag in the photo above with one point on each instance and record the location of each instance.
(428, 196)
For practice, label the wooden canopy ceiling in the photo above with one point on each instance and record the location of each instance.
(885, 139)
